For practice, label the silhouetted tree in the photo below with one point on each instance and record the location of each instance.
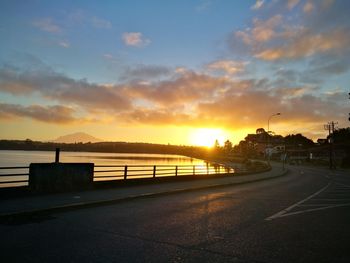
(216, 144)
(228, 147)
(260, 131)
(298, 139)
(341, 135)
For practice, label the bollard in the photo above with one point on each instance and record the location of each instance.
(57, 155)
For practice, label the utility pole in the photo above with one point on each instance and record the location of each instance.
(330, 126)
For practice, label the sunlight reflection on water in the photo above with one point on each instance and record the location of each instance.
(24, 158)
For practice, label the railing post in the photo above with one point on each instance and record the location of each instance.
(194, 169)
(154, 171)
(125, 171)
(57, 155)
(207, 169)
(176, 170)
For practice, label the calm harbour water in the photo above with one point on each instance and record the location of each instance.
(24, 158)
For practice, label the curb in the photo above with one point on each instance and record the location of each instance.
(22, 216)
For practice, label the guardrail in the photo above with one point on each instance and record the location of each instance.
(119, 172)
(20, 176)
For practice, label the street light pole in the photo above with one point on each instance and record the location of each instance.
(268, 120)
(268, 132)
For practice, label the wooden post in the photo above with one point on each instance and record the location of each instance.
(194, 169)
(125, 171)
(176, 170)
(154, 171)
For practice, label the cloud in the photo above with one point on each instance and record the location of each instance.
(64, 44)
(258, 4)
(58, 87)
(184, 98)
(295, 35)
(135, 39)
(158, 116)
(109, 56)
(324, 68)
(101, 23)
(292, 3)
(262, 31)
(308, 7)
(141, 71)
(229, 67)
(242, 110)
(47, 25)
(306, 44)
(50, 114)
(115, 59)
(188, 87)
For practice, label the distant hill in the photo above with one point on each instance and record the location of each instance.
(76, 137)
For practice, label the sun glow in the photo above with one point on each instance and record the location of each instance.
(207, 136)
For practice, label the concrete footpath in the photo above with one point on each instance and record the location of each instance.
(31, 205)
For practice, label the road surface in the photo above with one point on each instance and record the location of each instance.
(301, 217)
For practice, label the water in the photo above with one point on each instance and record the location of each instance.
(24, 158)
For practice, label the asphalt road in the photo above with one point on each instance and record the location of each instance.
(301, 217)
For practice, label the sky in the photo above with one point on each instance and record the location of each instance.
(178, 72)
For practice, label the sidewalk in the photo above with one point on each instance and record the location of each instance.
(68, 201)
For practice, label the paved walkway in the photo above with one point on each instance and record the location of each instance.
(72, 200)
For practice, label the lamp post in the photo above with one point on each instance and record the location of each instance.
(268, 133)
(268, 120)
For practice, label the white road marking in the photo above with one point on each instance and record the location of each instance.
(331, 199)
(284, 211)
(310, 210)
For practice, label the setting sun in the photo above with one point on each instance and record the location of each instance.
(207, 136)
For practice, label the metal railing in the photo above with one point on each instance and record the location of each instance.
(19, 175)
(14, 176)
(120, 172)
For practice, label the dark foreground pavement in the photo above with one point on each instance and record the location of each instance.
(301, 217)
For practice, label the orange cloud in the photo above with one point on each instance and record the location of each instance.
(229, 67)
(135, 39)
(292, 3)
(187, 98)
(262, 31)
(307, 44)
(308, 7)
(186, 88)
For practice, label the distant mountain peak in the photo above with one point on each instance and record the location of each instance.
(76, 138)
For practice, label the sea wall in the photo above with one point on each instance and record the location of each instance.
(60, 177)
